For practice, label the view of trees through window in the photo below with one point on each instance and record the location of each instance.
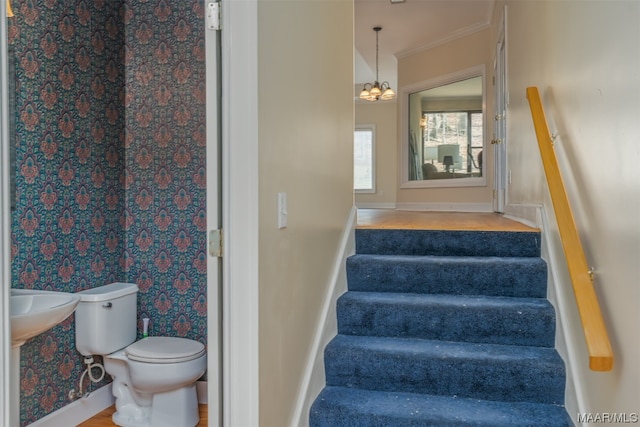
(461, 128)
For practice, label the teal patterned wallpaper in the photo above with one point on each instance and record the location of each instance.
(110, 168)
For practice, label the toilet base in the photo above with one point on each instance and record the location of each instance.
(120, 419)
(177, 408)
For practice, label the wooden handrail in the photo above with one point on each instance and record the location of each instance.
(598, 345)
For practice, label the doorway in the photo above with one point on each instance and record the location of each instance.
(87, 153)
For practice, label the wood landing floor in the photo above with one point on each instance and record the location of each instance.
(103, 419)
(395, 219)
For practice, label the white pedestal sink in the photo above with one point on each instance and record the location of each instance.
(32, 313)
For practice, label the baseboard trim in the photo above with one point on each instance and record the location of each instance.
(444, 207)
(313, 379)
(79, 410)
(565, 337)
(527, 214)
(82, 409)
(372, 205)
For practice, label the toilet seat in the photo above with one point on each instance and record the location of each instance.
(165, 350)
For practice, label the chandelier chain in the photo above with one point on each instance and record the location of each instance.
(377, 34)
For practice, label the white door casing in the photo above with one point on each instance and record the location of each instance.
(5, 230)
(240, 210)
(499, 140)
(214, 264)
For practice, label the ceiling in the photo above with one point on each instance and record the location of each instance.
(408, 28)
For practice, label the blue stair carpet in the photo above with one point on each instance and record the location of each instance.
(443, 328)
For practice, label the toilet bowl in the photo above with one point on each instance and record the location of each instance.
(154, 378)
(154, 382)
(161, 364)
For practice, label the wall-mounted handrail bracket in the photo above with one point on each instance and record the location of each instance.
(582, 276)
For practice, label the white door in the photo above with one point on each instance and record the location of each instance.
(214, 263)
(499, 140)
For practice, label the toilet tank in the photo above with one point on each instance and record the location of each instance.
(106, 318)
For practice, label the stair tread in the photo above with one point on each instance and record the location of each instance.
(526, 277)
(479, 370)
(356, 407)
(450, 259)
(448, 242)
(490, 319)
(488, 301)
(447, 349)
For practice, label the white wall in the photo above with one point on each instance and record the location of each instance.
(305, 101)
(585, 59)
(382, 114)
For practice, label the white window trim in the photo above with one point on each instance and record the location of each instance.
(372, 128)
(403, 167)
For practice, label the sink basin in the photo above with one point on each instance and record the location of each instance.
(33, 312)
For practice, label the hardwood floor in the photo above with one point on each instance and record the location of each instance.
(103, 419)
(396, 219)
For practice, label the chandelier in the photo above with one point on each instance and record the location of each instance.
(375, 91)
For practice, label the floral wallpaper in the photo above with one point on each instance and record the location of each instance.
(110, 169)
(164, 217)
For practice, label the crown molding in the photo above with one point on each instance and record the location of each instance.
(454, 36)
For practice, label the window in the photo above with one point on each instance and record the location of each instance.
(364, 160)
(457, 134)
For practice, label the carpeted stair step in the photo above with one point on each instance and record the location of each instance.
(487, 371)
(447, 242)
(480, 319)
(443, 328)
(511, 276)
(338, 406)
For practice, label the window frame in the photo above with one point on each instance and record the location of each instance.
(371, 128)
(403, 151)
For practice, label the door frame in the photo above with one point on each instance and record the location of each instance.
(6, 411)
(5, 230)
(501, 101)
(213, 196)
(240, 210)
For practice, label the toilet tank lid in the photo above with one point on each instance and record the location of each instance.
(107, 292)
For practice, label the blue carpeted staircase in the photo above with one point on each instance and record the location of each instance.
(443, 328)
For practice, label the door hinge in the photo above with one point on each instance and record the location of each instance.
(213, 15)
(216, 243)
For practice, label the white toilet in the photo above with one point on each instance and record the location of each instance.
(154, 378)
